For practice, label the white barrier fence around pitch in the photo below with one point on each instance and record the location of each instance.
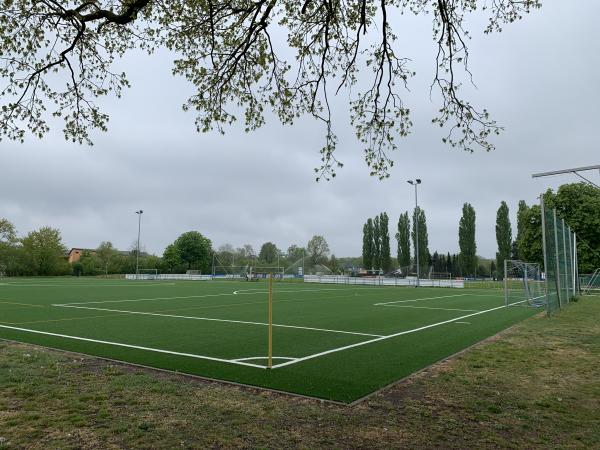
(382, 281)
(168, 276)
(326, 279)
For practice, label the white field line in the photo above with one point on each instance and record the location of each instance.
(427, 307)
(264, 291)
(239, 292)
(383, 338)
(86, 285)
(468, 323)
(210, 319)
(420, 299)
(137, 347)
(144, 299)
(262, 357)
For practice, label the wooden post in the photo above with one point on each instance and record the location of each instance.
(270, 362)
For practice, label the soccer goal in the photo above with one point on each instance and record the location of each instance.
(230, 272)
(590, 283)
(147, 274)
(265, 271)
(523, 284)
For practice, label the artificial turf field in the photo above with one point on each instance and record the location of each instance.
(335, 342)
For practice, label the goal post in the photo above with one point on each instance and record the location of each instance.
(523, 284)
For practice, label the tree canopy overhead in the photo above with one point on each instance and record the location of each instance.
(227, 50)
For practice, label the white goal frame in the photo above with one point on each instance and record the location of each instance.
(524, 279)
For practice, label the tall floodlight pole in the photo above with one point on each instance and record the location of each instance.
(415, 183)
(137, 253)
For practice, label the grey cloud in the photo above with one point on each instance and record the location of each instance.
(538, 79)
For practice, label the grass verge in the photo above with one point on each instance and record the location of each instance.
(536, 385)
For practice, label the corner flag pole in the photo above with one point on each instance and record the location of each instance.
(270, 362)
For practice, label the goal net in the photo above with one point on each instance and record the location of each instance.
(147, 274)
(265, 271)
(230, 272)
(523, 285)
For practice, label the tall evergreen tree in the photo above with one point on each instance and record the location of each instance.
(419, 214)
(503, 237)
(521, 213)
(384, 232)
(435, 261)
(466, 240)
(368, 245)
(403, 238)
(376, 243)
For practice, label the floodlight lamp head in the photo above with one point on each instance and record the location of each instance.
(418, 180)
(409, 181)
(139, 212)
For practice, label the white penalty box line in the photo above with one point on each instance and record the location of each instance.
(383, 338)
(419, 299)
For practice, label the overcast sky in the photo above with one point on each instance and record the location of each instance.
(538, 78)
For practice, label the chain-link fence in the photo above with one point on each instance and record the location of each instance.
(560, 260)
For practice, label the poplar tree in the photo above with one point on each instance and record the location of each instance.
(403, 238)
(376, 243)
(386, 257)
(466, 240)
(368, 245)
(521, 225)
(419, 214)
(503, 237)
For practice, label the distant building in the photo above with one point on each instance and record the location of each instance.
(75, 254)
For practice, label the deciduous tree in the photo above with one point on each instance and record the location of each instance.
(45, 253)
(268, 252)
(317, 249)
(195, 250)
(232, 54)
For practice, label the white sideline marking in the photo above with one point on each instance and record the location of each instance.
(427, 307)
(370, 341)
(420, 299)
(468, 323)
(137, 347)
(86, 285)
(210, 319)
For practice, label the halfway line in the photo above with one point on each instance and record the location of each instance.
(210, 319)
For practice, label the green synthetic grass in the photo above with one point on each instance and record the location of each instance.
(327, 317)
